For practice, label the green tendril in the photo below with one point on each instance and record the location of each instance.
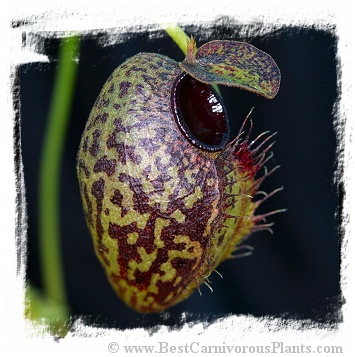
(54, 306)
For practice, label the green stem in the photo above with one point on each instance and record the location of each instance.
(178, 35)
(49, 175)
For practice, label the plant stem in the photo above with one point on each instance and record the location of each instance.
(49, 175)
(178, 35)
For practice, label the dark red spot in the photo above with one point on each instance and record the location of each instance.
(101, 117)
(88, 205)
(85, 145)
(124, 211)
(112, 88)
(146, 171)
(163, 76)
(140, 198)
(229, 68)
(152, 66)
(105, 165)
(183, 266)
(124, 86)
(151, 81)
(125, 152)
(140, 90)
(101, 102)
(149, 145)
(160, 181)
(119, 127)
(97, 190)
(117, 198)
(135, 69)
(220, 240)
(82, 166)
(94, 148)
(142, 279)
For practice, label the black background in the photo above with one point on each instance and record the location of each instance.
(293, 273)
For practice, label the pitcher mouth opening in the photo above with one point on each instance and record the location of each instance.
(200, 113)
